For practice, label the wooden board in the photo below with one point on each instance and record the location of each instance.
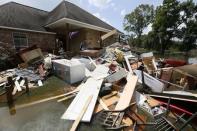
(76, 123)
(152, 102)
(32, 54)
(127, 93)
(108, 102)
(108, 34)
(46, 99)
(67, 98)
(110, 95)
(90, 87)
(128, 63)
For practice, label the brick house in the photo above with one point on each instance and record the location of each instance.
(68, 24)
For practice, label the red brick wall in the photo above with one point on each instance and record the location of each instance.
(45, 41)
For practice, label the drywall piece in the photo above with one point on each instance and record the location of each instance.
(127, 93)
(17, 86)
(76, 123)
(108, 34)
(117, 76)
(100, 72)
(90, 87)
(150, 81)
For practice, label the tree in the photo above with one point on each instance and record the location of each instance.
(165, 22)
(187, 31)
(136, 21)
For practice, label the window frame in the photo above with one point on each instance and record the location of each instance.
(20, 34)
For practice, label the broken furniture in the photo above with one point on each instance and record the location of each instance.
(114, 119)
(149, 63)
(94, 53)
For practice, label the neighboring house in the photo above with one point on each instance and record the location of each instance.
(68, 24)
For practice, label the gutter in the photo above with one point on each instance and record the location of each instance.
(12, 28)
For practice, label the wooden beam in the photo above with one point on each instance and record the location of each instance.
(127, 93)
(9, 96)
(76, 123)
(128, 63)
(103, 37)
(68, 97)
(45, 100)
(108, 102)
(103, 104)
(110, 95)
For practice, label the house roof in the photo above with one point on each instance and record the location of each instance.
(21, 16)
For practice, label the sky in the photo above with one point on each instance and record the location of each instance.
(110, 11)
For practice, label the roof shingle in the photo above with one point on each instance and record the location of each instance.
(20, 16)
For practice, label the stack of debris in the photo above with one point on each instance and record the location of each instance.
(116, 85)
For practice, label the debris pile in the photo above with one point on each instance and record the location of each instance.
(115, 85)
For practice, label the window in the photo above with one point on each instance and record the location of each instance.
(20, 41)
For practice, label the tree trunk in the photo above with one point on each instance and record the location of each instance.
(162, 47)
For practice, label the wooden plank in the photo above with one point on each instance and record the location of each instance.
(110, 95)
(103, 104)
(17, 86)
(108, 102)
(91, 87)
(108, 34)
(45, 100)
(76, 123)
(127, 93)
(128, 63)
(68, 97)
